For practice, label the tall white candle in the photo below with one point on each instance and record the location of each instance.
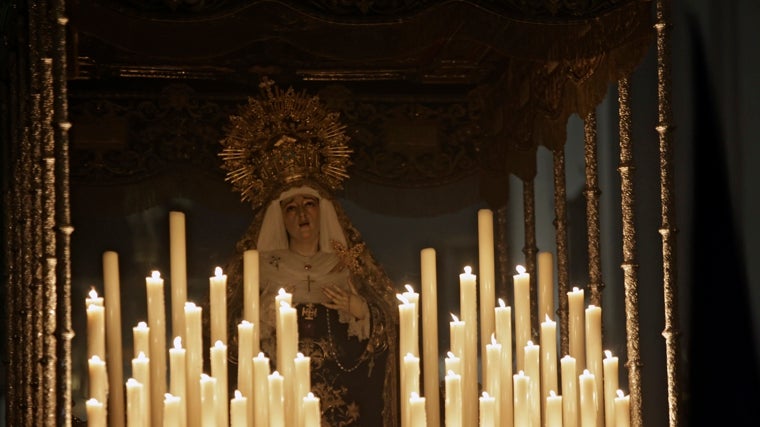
(251, 311)
(287, 298)
(622, 410)
(177, 378)
(245, 364)
(594, 355)
(287, 352)
(154, 287)
(136, 411)
(140, 339)
(208, 401)
(218, 306)
(576, 326)
(193, 362)
(570, 409)
(429, 295)
(408, 336)
(96, 413)
(588, 401)
(238, 410)
(173, 411)
(98, 379)
(410, 384)
(522, 313)
(486, 282)
(521, 387)
(414, 299)
(453, 402)
(276, 400)
(141, 373)
(533, 371)
(219, 372)
(553, 410)
(112, 298)
(545, 285)
(311, 411)
(178, 271)
(487, 410)
(96, 331)
(261, 390)
(548, 356)
(468, 309)
(503, 318)
(610, 387)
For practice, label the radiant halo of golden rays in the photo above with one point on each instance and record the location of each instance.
(281, 137)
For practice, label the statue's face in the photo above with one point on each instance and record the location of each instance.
(301, 215)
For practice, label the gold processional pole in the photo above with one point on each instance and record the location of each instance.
(668, 230)
(560, 225)
(592, 211)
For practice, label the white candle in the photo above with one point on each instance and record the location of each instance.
(533, 371)
(453, 402)
(408, 336)
(154, 286)
(141, 373)
(178, 271)
(173, 411)
(487, 410)
(218, 306)
(610, 387)
(468, 309)
(98, 379)
(594, 355)
(545, 285)
(570, 410)
(417, 410)
(588, 403)
(238, 410)
(522, 313)
(576, 327)
(208, 401)
(245, 364)
(177, 378)
(282, 299)
(548, 356)
(410, 384)
(96, 413)
(219, 372)
(493, 385)
(453, 363)
(140, 339)
(622, 410)
(251, 311)
(311, 411)
(503, 326)
(193, 362)
(521, 387)
(486, 282)
(96, 331)
(113, 354)
(302, 371)
(287, 352)
(261, 390)
(429, 291)
(553, 410)
(276, 400)
(136, 411)
(414, 299)
(93, 298)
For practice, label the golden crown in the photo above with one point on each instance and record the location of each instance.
(281, 138)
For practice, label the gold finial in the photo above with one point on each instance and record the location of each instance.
(283, 137)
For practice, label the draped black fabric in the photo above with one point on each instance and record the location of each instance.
(723, 377)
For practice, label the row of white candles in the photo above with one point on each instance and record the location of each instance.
(495, 324)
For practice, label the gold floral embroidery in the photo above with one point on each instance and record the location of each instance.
(349, 256)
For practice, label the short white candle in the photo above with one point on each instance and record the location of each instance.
(453, 402)
(407, 326)
(493, 385)
(218, 306)
(141, 339)
(588, 402)
(548, 356)
(522, 313)
(622, 410)
(245, 363)
(533, 371)
(302, 372)
(260, 390)
(177, 378)
(610, 386)
(137, 414)
(594, 355)
(553, 410)
(98, 378)
(219, 372)
(410, 369)
(96, 413)
(238, 410)
(173, 411)
(576, 327)
(276, 400)
(417, 414)
(570, 410)
(154, 287)
(521, 387)
(194, 362)
(141, 373)
(311, 411)
(208, 401)
(503, 317)
(487, 410)
(96, 330)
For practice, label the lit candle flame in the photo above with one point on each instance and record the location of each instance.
(493, 339)
(218, 272)
(620, 393)
(468, 270)
(520, 269)
(409, 288)
(178, 342)
(502, 304)
(607, 354)
(402, 298)
(552, 393)
(548, 319)
(454, 317)
(93, 293)
(219, 344)
(486, 395)
(155, 274)
(238, 394)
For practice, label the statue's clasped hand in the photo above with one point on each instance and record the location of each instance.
(345, 300)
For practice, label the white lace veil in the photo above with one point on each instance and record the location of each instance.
(273, 235)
